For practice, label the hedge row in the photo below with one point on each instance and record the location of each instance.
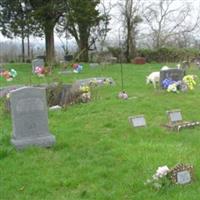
(168, 54)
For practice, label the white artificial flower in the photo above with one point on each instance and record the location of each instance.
(162, 171)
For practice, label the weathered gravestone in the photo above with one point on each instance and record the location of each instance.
(94, 65)
(196, 61)
(68, 57)
(173, 74)
(185, 65)
(5, 90)
(37, 63)
(137, 121)
(1, 69)
(30, 118)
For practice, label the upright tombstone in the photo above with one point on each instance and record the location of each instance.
(68, 57)
(94, 65)
(1, 69)
(139, 60)
(37, 63)
(173, 74)
(185, 65)
(30, 118)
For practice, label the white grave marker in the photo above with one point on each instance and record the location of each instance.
(137, 121)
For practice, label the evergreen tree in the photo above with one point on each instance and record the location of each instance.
(15, 20)
(47, 14)
(81, 17)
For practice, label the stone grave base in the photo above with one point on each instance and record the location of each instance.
(42, 141)
(179, 126)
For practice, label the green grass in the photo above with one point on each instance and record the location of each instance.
(98, 155)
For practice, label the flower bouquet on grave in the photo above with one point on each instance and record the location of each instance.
(8, 75)
(85, 94)
(190, 81)
(39, 70)
(180, 174)
(160, 179)
(77, 68)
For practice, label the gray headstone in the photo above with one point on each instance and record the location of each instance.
(94, 65)
(37, 63)
(183, 177)
(174, 116)
(185, 65)
(137, 121)
(66, 95)
(1, 69)
(5, 90)
(30, 118)
(172, 74)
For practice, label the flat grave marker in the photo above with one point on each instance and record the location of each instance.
(175, 121)
(174, 116)
(182, 174)
(137, 121)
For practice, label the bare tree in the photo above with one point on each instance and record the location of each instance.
(131, 18)
(99, 33)
(167, 19)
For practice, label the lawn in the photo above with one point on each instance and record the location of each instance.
(98, 154)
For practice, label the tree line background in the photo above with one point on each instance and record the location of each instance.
(157, 29)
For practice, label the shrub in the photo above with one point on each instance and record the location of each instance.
(168, 54)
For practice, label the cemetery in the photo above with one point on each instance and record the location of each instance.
(106, 143)
(99, 100)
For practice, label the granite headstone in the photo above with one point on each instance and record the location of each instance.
(173, 74)
(185, 65)
(30, 118)
(37, 63)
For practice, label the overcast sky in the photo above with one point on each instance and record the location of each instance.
(116, 19)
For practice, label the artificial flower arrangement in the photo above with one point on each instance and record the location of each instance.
(42, 71)
(165, 177)
(85, 93)
(123, 95)
(8, 75)
(160, 178)
(188, 82)
(77, 68)
(166, 82)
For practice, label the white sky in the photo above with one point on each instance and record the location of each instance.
(115, 22)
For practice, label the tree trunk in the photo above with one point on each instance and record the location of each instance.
(49, 43)
(128, 40)
(28, 46)
(83, 43)
(84, 51)
(23, 48)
